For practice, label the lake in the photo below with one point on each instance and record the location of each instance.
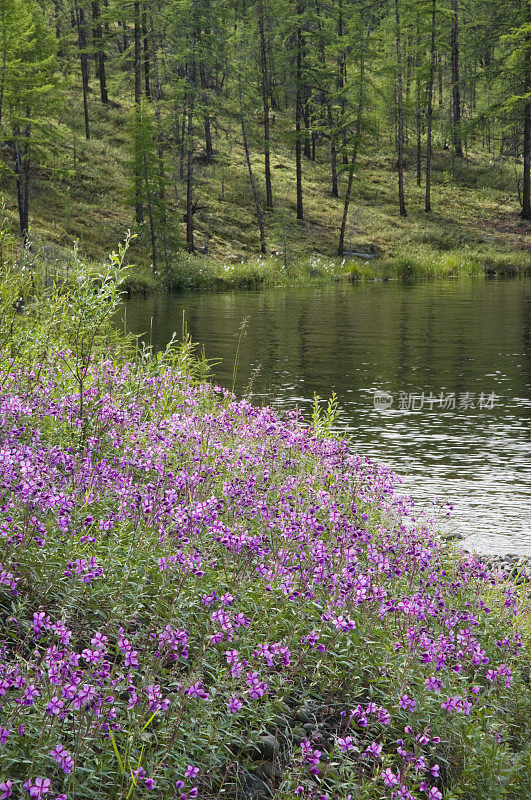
(431, 378)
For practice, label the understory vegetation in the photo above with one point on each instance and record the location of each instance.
(471, 231)
(204, 599)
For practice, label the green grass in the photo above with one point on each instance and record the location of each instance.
(84, 194)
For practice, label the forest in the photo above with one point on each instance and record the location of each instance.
(275, 127)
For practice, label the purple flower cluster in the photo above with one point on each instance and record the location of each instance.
(63, 758)
(310, 756)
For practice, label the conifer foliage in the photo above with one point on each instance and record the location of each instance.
(329, 79)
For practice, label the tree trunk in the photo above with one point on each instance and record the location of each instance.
(325, 107)
(456, 90)
(306, 117)
(259, 215)
(125, 40)
(145, 49)
(152, 231)
(192, 77)
(408, 69)
(156, 91)
(209, 150)
(429, 111)
(526, 189)
(57, 8)
(204, 79)
(408, 82)
(22, 171)
(95, 44)
(400, 109)
(419, 110)
(3, 71)
(440, 75)
(333, 151)
(106, 25)
(190, 181)
(473, 87)
(182, 144)
(138, 55)
(160, 142)
(83, 58)
(139, 207)
(341, 75)
(265, 105)
(299, 119)
(354, 155)
(99, 54)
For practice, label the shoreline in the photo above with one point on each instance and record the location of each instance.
(511, 565)
(190, 275)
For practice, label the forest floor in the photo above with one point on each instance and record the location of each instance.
(85, 195)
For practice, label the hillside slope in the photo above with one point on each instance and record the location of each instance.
(85, 195)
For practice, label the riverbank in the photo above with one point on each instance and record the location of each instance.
(507, 566)
(202, 598)
(197, 273)
(512, 566)
(203, 273)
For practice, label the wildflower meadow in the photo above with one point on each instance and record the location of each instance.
(201, 598)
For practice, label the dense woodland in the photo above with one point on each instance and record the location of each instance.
(197, 80)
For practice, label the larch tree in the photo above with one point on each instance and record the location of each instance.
(456, 84)
(80, 21)
(265, 91)
(363, 45)
(400, 110)
(429, 107)
(99, 50)
(299, 94)
(27, 94)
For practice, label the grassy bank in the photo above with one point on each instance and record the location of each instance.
(191, 273)
(202, 599)
(263, 272)
(85, 195)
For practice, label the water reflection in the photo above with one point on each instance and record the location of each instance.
(463, 337)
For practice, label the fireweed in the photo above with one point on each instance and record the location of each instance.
(182, 572)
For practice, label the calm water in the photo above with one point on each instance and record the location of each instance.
(466, 338)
